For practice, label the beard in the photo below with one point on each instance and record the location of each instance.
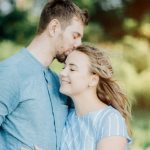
(61, 57)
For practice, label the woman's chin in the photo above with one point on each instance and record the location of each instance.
(63, 91)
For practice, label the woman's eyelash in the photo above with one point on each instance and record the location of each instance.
(72, 70)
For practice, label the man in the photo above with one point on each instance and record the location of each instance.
(32, 111)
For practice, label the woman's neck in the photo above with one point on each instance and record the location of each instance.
(87, 102)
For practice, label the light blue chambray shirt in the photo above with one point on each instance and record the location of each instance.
(32, 111)
(84, 133)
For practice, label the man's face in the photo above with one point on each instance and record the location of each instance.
(69, 39)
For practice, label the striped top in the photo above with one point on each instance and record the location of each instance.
(83, 133)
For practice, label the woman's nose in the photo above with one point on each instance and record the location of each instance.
(63, 72)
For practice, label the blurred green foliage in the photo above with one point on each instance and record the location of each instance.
(8, 48)
(17, 26)
(118, 18)
(141, 132)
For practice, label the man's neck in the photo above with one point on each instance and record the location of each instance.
(42, 49)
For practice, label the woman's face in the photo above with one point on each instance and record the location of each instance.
(75, 76)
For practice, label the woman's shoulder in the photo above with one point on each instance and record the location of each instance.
(111, 117)
(103, 114)
(112, 124)
(112, 113)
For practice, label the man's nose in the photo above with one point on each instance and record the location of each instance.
(77, 43)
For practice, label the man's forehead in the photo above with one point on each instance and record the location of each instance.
(77, 21)
(77, 26)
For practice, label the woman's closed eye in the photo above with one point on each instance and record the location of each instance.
(72, 69)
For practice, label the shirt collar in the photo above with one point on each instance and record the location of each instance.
(33, 60)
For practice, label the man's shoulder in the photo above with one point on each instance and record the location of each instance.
(12, 61)
(10, 67)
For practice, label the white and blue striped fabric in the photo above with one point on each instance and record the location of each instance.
(83, 133)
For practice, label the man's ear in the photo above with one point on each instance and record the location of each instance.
(54, 27)
(94, 79)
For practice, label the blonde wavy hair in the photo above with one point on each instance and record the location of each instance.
(108, 90)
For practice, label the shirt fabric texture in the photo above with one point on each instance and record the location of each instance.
(32, 111)
(84, 132)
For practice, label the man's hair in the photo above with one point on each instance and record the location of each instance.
(64, 11)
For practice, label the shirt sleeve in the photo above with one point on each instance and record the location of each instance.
(8, 92)
(114, 125)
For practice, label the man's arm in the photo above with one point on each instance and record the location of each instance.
(8, 92)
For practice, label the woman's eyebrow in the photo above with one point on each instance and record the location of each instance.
(72, 64)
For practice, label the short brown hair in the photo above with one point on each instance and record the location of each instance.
(64, 11)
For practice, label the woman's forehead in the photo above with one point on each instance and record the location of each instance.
(77, 58)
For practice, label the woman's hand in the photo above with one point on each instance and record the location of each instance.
(35, 148)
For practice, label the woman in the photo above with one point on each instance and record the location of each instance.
(100, 120)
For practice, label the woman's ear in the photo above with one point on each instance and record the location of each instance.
(54, 27)
(94, 79)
